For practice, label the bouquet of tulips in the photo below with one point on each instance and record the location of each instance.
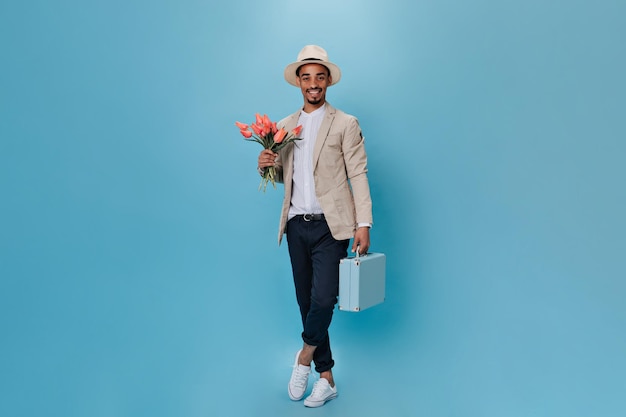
(265, 132)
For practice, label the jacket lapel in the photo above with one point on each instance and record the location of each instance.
(287, 151)
(322, 134)
(291, 122)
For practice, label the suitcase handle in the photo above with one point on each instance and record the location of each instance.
(357, 252)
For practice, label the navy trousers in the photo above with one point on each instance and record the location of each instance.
(315, 257)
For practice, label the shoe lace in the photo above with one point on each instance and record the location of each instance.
(318, 389)
(300, 377)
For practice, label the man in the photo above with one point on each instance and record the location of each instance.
(327, 202)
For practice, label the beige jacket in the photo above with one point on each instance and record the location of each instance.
(339, 172)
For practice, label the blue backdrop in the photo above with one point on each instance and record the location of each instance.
(139, 268)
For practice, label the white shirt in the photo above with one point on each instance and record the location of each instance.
(303, 199)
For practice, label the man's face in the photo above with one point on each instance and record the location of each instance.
(313, 80)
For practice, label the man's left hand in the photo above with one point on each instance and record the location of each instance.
(362, 240)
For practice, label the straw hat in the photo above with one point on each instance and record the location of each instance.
(312, 54)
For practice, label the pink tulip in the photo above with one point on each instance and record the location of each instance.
(297, 131)
(280, 135)
(241, 126)
(246, 133)
(256, 128)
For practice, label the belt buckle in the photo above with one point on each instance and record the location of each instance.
(307, 217)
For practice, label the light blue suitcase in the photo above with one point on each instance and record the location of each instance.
(361, 281)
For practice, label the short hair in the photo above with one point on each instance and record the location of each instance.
(312, 62)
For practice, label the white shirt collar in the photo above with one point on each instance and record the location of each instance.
(315, 112)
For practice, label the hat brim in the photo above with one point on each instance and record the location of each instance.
(290, 71)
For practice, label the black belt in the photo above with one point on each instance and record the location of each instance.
(311, 217)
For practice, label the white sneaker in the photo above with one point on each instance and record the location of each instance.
(299, 380)
(322, 392)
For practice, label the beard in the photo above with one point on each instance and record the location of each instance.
(318, 101)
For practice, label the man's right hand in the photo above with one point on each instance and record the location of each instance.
(267, 158)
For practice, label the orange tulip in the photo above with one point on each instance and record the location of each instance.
(266, 121)
(246, 133)
(274, 128)
(280, 135)
(259, 119)
(297, 131)
(256, 128)
(241, 126)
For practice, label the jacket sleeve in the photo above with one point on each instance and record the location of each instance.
(355, 158)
